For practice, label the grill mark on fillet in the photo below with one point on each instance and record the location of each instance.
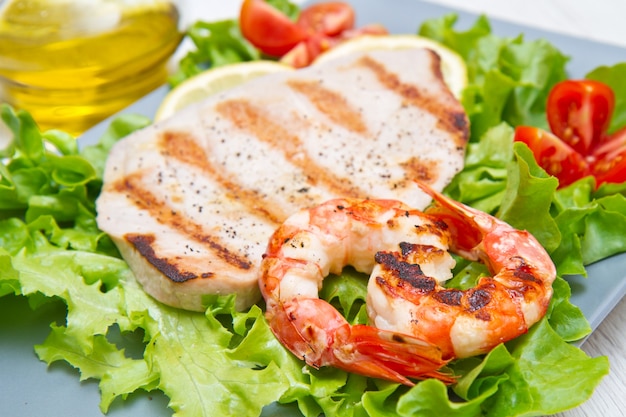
(453, 122)
(248, 117)
(182, 147)
(144, 244)
(419, 169)
(332, 104)
(132, 186)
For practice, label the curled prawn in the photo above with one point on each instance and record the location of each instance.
(418, 325)
(464, 323)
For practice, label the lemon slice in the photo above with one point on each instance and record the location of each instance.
(213, 81)
(453, 67)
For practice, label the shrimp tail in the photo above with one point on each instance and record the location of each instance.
(468, 226)
(393, 356)
(322, 337)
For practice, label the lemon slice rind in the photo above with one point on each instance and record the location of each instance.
(213, 81)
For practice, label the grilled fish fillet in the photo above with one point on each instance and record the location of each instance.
(192, 201)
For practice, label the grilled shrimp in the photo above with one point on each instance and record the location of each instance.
(313, 243)
(464, 323)
(417, 324)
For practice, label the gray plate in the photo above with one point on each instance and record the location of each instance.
(28, 388)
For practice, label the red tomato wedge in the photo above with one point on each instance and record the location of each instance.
(329, 19)
(306, 51)
(610, 159)
(579, 112)
(319, 27)
(268, 29)
(556, 157)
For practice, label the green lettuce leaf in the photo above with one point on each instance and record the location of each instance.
(120, 127)
(565, 318)
(566, 379)
(594, 225)
(509, 78)
(216, 44)
(529, 187)
(348, 293)
(118, 374)
(221, 43)
(482, 182)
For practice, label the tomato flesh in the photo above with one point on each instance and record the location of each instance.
(330, 19)
(610, 159)
(615, 172)
(268, 29)
(556, 157)
(319, 27)
(579, 112)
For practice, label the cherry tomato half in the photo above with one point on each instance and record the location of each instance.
(579, 112)
(330, 19)
(306, 51)
(556, 157)
(319, 27)
(610, 159)
(268, 29)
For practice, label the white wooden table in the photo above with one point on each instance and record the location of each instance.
(599, 20)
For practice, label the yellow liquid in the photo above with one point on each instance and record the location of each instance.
(72, 63)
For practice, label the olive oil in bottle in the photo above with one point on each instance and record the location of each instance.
(72, 63)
